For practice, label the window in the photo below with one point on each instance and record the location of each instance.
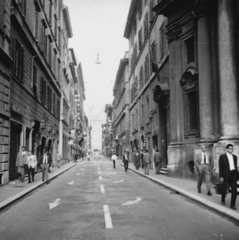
(45, 45)
(141, 76)
(18, 60)
(50, 54)
(36, 24)
(55, 27)
(140, 9)
(58, 109)
(49, 99)
(189, 84)
(43, 91)
(161, 43)
(34, 80)
(146, 25)
(23, 6)
(190, 49)
(146, 68)
(53, 103)
(140, 38)
(50, 13)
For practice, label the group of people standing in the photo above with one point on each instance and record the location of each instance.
(228, 172)
(27, 162)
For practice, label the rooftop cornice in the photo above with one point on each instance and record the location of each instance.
(67, 21)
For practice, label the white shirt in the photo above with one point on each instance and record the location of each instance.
(202, 162)
(231, 162)
(114, 157)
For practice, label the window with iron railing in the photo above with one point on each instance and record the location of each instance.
(18, 66)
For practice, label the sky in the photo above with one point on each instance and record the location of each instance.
(98, 28)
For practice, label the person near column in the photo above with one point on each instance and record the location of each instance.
(142, 158)
(136, 160)
(228, 174)
(126, 161)
(204, 164)
(157, 161)
(58, 159)
(49, 162)
(21, 162)
(44, 161)
(147, 162)
(114, 158)
(32, 163)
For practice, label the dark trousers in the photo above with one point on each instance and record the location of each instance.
(126, 165)
(157, 167)
(31, 173)
(232, 182)
(113, 163)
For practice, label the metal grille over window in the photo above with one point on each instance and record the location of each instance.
(192, 110)
(190, 49)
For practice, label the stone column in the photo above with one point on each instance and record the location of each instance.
(205, 80)
(227, 71)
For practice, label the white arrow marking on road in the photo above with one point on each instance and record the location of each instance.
(100, 177)
(108, 221)
(102, 189)
(72, 182)
(55, 203)
(118, 181)
(132, 202)
(78, 174)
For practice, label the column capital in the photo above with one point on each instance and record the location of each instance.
(202, 8)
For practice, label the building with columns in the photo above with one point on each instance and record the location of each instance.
(121, 117)
(203, 49)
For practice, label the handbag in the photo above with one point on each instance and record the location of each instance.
(221, 188)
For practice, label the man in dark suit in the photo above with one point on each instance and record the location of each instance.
(228, 173)
(204, 165)
(125, 161)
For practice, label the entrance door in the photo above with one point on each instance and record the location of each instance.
(14, 148)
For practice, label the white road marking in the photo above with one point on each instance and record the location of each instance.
(102, 189)
(55, 203)
(72, 182)
(132, 202)
(108, 221)
(118, 181)
(100, 177)
(78, 174)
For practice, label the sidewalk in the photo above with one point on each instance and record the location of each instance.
(188, 188)
(15, 190)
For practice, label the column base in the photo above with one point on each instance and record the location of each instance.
(229, 139)
(207, 141)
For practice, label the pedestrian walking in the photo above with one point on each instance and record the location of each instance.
(44, 161)
(228, 173)
(136, 158)
(147, 162)
(142, 158)
(204, 165)
(32, 163)
(126, 161)
(21, 163)
(58, 159)
(114, 158)
(158, 161)
(49, 162)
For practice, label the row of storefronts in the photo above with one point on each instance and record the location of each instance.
(41, 84)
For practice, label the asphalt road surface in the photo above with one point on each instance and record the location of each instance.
(94, 201)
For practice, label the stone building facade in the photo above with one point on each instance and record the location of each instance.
(36, 83)
(148, 78)
(203, 75)
(121, 120)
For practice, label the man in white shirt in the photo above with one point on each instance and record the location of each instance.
(114, 158)
(228, 174)
(204, 165)
(32, 163)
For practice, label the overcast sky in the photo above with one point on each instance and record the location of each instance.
(98, 27)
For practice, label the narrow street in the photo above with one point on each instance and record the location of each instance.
(94, 201)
